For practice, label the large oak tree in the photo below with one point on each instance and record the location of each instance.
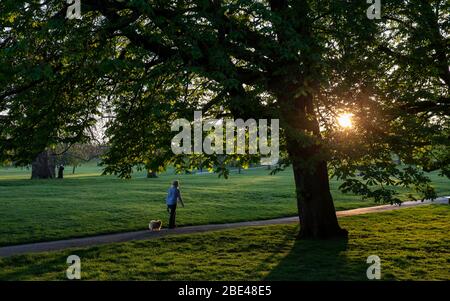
(143, 63)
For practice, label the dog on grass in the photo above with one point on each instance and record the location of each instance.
(155, 225)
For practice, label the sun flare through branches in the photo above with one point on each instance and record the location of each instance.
(345, 120)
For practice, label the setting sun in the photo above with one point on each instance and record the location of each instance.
(345, 120)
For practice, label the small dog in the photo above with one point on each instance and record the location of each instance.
(155, 225)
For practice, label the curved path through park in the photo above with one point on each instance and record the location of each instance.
(146, 234)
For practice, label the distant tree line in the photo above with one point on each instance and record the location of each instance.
(46, 162)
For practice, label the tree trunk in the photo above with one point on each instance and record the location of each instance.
(60, 172)
(73, 169)
(293, 87)
(314, 201)
(43, 167)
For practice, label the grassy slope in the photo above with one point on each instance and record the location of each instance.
(87, 204)
(413, 244)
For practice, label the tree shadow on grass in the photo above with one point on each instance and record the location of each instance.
(40, 267)
(318, 260)
(23, 267)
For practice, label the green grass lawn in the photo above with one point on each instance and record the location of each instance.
(413, 244)
(87, 204)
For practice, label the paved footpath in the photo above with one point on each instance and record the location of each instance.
(146, 234)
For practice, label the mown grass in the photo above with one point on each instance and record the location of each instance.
(413, 244)
(88, 204)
